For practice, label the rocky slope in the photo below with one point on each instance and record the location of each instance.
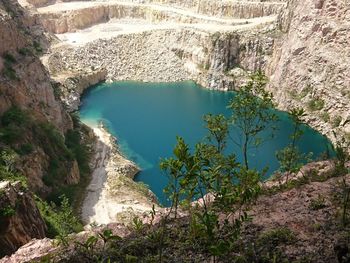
(20, 219)
(301, 224)
(112, 196)
(310, 63)
(24, 81)
(32, 127)
(26, 84)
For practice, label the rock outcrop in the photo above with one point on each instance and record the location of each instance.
(26, 84)
(24, 80)
(72, 84)
(20, 219)
(310, 63)
(214, 60)
(70, 17)
(113, 197)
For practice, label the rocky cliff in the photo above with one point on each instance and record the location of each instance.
(24, 81)
(310, 63)
(33, 125)
(26, 84)
(20, 219)
(304, 51)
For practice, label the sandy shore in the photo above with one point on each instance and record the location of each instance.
(112, 195)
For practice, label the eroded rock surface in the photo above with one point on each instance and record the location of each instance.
(112, 195)
(20, 219)
(310, 64)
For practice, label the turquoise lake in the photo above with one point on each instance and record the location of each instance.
(146, 118)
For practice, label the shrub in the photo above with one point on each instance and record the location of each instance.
(10, 73)
(305, 91)
(9, 58)
(25, 51)
(315, 104)
(60, 220)
(14, 115)
(37, 46)
(26, 148)
(275, 237)
(325, 116)
(318, 203)
(11, 134)
(336, 121)
(7, 211)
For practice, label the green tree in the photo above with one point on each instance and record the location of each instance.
(252, 113)
(60, 220)
(174, 168)
(217, 126)
(9, 159)
(222, 186)
(290, 158)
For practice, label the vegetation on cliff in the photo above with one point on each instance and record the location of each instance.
(21, 134)
(223, 225)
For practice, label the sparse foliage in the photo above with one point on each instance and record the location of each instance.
(251, 114)
(290, 158)
(221, 185)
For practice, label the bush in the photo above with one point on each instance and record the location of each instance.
(60, 220)
(10, 73)
(318, 203)
(7, 211)
(325, 116)
(14, 115)
(336, 121)
(25, 51)
(9, 58)
(11, 134)
(37, 46)
(269, 243)
(26, 148)
(315, 104)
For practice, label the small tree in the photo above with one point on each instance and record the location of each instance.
(221, 184)
(342, 157)
(290, 158)
(174, 168)
(252, 113)
(9, 159)
(217, 126)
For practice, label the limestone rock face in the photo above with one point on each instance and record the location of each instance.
(311, 62)
(20, 218)
(72, 85)
(214, 60)
(32, 251)
(25, 83)
(30, 88)
(224, 8)
(34, 166)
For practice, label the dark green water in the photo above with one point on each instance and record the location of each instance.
(147, 117)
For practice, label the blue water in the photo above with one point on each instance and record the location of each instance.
(147, 117)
